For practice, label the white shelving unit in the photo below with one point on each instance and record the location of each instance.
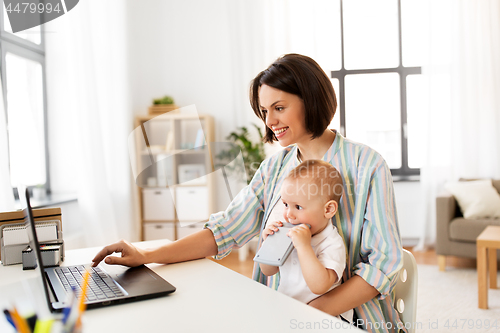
(174, 173)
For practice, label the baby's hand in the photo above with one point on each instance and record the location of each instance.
(271, 228)
(300, 235)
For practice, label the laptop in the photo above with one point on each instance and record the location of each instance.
(112, 285)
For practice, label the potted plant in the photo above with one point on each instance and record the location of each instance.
(253, 153)
(162, 105)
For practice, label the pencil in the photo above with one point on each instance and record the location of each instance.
(21, 324)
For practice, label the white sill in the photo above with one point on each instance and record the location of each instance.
(50, 201)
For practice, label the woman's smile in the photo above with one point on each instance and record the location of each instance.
(280, 132)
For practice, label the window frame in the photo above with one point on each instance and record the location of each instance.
(404, 172)
(10, 43)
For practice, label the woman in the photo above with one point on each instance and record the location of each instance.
(296, 101)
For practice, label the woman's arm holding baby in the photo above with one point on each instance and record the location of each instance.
(348, 295)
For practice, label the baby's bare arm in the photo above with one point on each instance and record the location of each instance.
(318, 278)
(268, 270)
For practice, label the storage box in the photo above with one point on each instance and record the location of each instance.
(194, 174)
(154, 231)
(17, 218)
(51, 255)
(185, 229)
(192, 203)
(158, 204)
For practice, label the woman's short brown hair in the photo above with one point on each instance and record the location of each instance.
(302, 76)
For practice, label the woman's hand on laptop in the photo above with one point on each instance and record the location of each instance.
(131, 256)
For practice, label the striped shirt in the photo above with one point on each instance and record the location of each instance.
(366, 220)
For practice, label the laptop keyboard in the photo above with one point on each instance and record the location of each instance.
(101, 285)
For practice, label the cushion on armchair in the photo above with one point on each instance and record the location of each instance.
(476, 199)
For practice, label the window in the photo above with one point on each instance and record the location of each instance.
(23, 83)
(379, 87)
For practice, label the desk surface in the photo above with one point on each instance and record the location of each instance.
(209, 298)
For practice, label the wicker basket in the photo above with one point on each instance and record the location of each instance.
(162, 108)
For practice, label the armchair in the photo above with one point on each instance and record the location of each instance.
(455, 235)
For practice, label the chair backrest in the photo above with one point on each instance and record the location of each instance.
(405, 292)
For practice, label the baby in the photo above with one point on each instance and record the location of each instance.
(310, 194)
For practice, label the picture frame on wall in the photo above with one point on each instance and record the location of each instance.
(191, 174)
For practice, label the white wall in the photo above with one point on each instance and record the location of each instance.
(184, 49)
(72, 226)
(410, 208)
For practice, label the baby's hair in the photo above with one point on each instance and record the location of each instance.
(325, 178)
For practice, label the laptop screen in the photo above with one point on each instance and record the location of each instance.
(24, 198)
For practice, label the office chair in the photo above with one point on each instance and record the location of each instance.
(405, 292)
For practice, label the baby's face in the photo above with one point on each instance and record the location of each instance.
(303, 205)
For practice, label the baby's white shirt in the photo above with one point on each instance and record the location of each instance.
(328, 247)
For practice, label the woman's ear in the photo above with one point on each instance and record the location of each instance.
(331, 208)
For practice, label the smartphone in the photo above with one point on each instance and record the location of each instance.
(276, 248)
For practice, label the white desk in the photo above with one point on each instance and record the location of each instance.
(209, 298)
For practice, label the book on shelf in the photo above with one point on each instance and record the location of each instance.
(200, 139)
(169, 145)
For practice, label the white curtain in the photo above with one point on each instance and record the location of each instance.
(263, 30)
(6, 194)
(462, 132)
(90, 116)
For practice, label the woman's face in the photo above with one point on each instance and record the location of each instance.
(285, 115)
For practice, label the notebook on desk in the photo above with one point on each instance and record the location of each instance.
(113, 285)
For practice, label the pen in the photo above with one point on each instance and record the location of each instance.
(9, 318)
(70, 320)
(70, 302)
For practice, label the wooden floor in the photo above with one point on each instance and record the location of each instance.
(428, 257)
